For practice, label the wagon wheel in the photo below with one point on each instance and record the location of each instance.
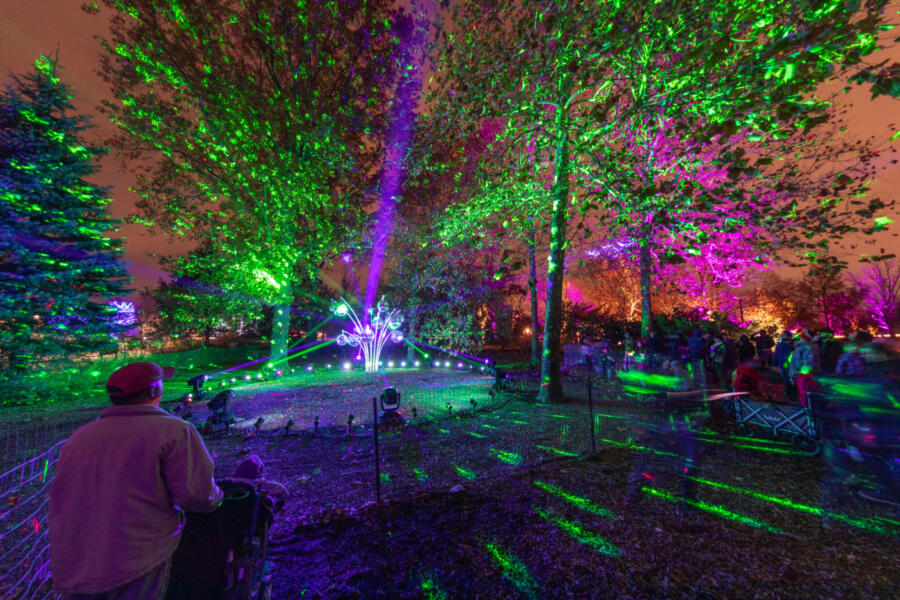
(806, 444)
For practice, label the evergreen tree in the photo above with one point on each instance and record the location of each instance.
(57, 267)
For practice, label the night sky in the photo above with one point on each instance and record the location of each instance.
(29, 28)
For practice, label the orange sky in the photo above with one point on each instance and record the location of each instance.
(29, 28)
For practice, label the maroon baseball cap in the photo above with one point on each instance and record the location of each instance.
(136, 377)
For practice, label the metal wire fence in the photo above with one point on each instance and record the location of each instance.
(460, 434)
(24, 543)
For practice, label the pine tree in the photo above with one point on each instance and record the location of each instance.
(57, 267)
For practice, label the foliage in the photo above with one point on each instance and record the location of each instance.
(600, 89)
(57, 265)
(198, 299)
(264, 120)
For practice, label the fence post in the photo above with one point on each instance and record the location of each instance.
(591, 413)
(377, 461)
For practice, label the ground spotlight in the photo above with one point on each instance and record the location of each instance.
(446, 363)
(403, 363)
(391, 364)
(418, 363)
(328, 366)
(347, 365)
(459, 365)
(437, 363)
(308, 368)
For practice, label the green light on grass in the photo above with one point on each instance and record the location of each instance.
(862, 523)
(557, 451)
(465, 473)
(477, 435)
(510, 458)
(430, 590)
(520, 422)
(579, 501)
(444, 430)
(514, 570)
(772, 450)
(715, 509)
(579, 533)
(640, 448)
(420, 474)
(486, 426)
(560, 416)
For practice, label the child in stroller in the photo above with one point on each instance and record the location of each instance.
(222, 555)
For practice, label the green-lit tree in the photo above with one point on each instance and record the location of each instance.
(196, 301)
(577, 75)
(266, 117)
(58, 268)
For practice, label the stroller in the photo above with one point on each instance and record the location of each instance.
(222, 555)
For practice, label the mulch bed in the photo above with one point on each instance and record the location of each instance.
(501, 514)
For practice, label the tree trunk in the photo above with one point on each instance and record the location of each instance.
(551, 377)
(413, 331)
(532, 286)
(646, 309)
(281, 323)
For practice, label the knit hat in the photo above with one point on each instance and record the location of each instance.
(805, 335)
(250, 468)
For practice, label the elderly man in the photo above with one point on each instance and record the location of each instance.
(120, 486)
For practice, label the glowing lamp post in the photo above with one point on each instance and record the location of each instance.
(382, 325)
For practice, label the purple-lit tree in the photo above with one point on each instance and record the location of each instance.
(832, 299)
(880, 284)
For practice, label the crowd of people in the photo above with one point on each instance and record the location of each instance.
(716, 360)
(854, 381)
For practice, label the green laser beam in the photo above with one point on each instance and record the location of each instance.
(579, 533)
(862, 523)
(580, 501)
(557, 451)
(510, 458)
(715, 509)
(466, 473)
(416, 348)
(514, 570)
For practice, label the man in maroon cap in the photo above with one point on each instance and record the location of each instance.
(121, 483)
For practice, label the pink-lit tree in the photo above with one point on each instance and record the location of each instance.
(880, 284)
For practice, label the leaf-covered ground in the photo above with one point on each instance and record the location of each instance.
(507, 503)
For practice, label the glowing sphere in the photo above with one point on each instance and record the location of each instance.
(340, 310)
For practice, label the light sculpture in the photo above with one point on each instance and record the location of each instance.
(383, 324)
